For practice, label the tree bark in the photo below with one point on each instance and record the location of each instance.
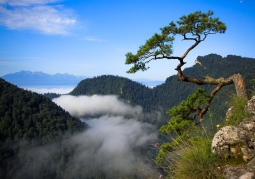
(237, 79)
(240, 85)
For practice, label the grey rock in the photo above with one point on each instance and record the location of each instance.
(251, 164)
(238, 173)
(230, 112)
(238, 142)
(248, 124)
(226, 137)
(250, 106)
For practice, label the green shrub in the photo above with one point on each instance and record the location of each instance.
(194, 160)
(239, 113)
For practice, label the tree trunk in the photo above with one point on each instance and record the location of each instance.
(239, 85)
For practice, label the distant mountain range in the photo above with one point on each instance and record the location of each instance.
(28, 78)
(149, 83)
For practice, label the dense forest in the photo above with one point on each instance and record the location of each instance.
(172, 92)
(37, 139)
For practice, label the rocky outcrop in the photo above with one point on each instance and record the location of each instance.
(250, 106)
(227, 138)
(238, 173)
(238, 142)
(230, 113)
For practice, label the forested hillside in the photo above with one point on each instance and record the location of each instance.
(29, 121)
(132, 92)
(38, 139)
(172, 92)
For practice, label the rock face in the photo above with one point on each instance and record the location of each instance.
(228, 139)
(238, 173)
(250, 106)
(249, 125)
(238, 142)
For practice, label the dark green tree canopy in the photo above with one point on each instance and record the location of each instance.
(195, 27)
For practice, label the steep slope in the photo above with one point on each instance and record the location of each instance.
(29, 121)
(214, 66)
(38, 139)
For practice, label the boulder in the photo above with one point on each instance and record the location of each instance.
(227, 139)
(238, 173)
(238, 142)
(250, 106)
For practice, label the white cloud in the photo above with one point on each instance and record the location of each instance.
(96, 105)
(93, 38)
(41, 90)
(37, 15)
(109, 142)
(26, 2)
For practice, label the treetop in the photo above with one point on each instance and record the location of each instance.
(195, 26)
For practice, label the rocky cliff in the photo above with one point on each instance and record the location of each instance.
(238, 142)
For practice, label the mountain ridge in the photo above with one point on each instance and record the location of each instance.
(172, 91)
(40, 78)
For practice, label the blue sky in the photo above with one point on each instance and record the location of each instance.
(91, 37)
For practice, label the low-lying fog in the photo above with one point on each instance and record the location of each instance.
(111, 137)
(49, 89)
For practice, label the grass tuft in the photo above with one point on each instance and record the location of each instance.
(195, 161)
(239, 113)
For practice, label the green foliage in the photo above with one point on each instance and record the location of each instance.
(194, 160)
(239, 114)
(168, 147)
(197, 23)
(253, 86)
(184, 114)
(160, 45)
(182, 121)
(51, 95)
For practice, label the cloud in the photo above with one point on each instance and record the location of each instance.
(26, 2)
(58, 90)
(112, 144)
(37, 15)
(93, 38)
(109, 143)
(96, 105)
